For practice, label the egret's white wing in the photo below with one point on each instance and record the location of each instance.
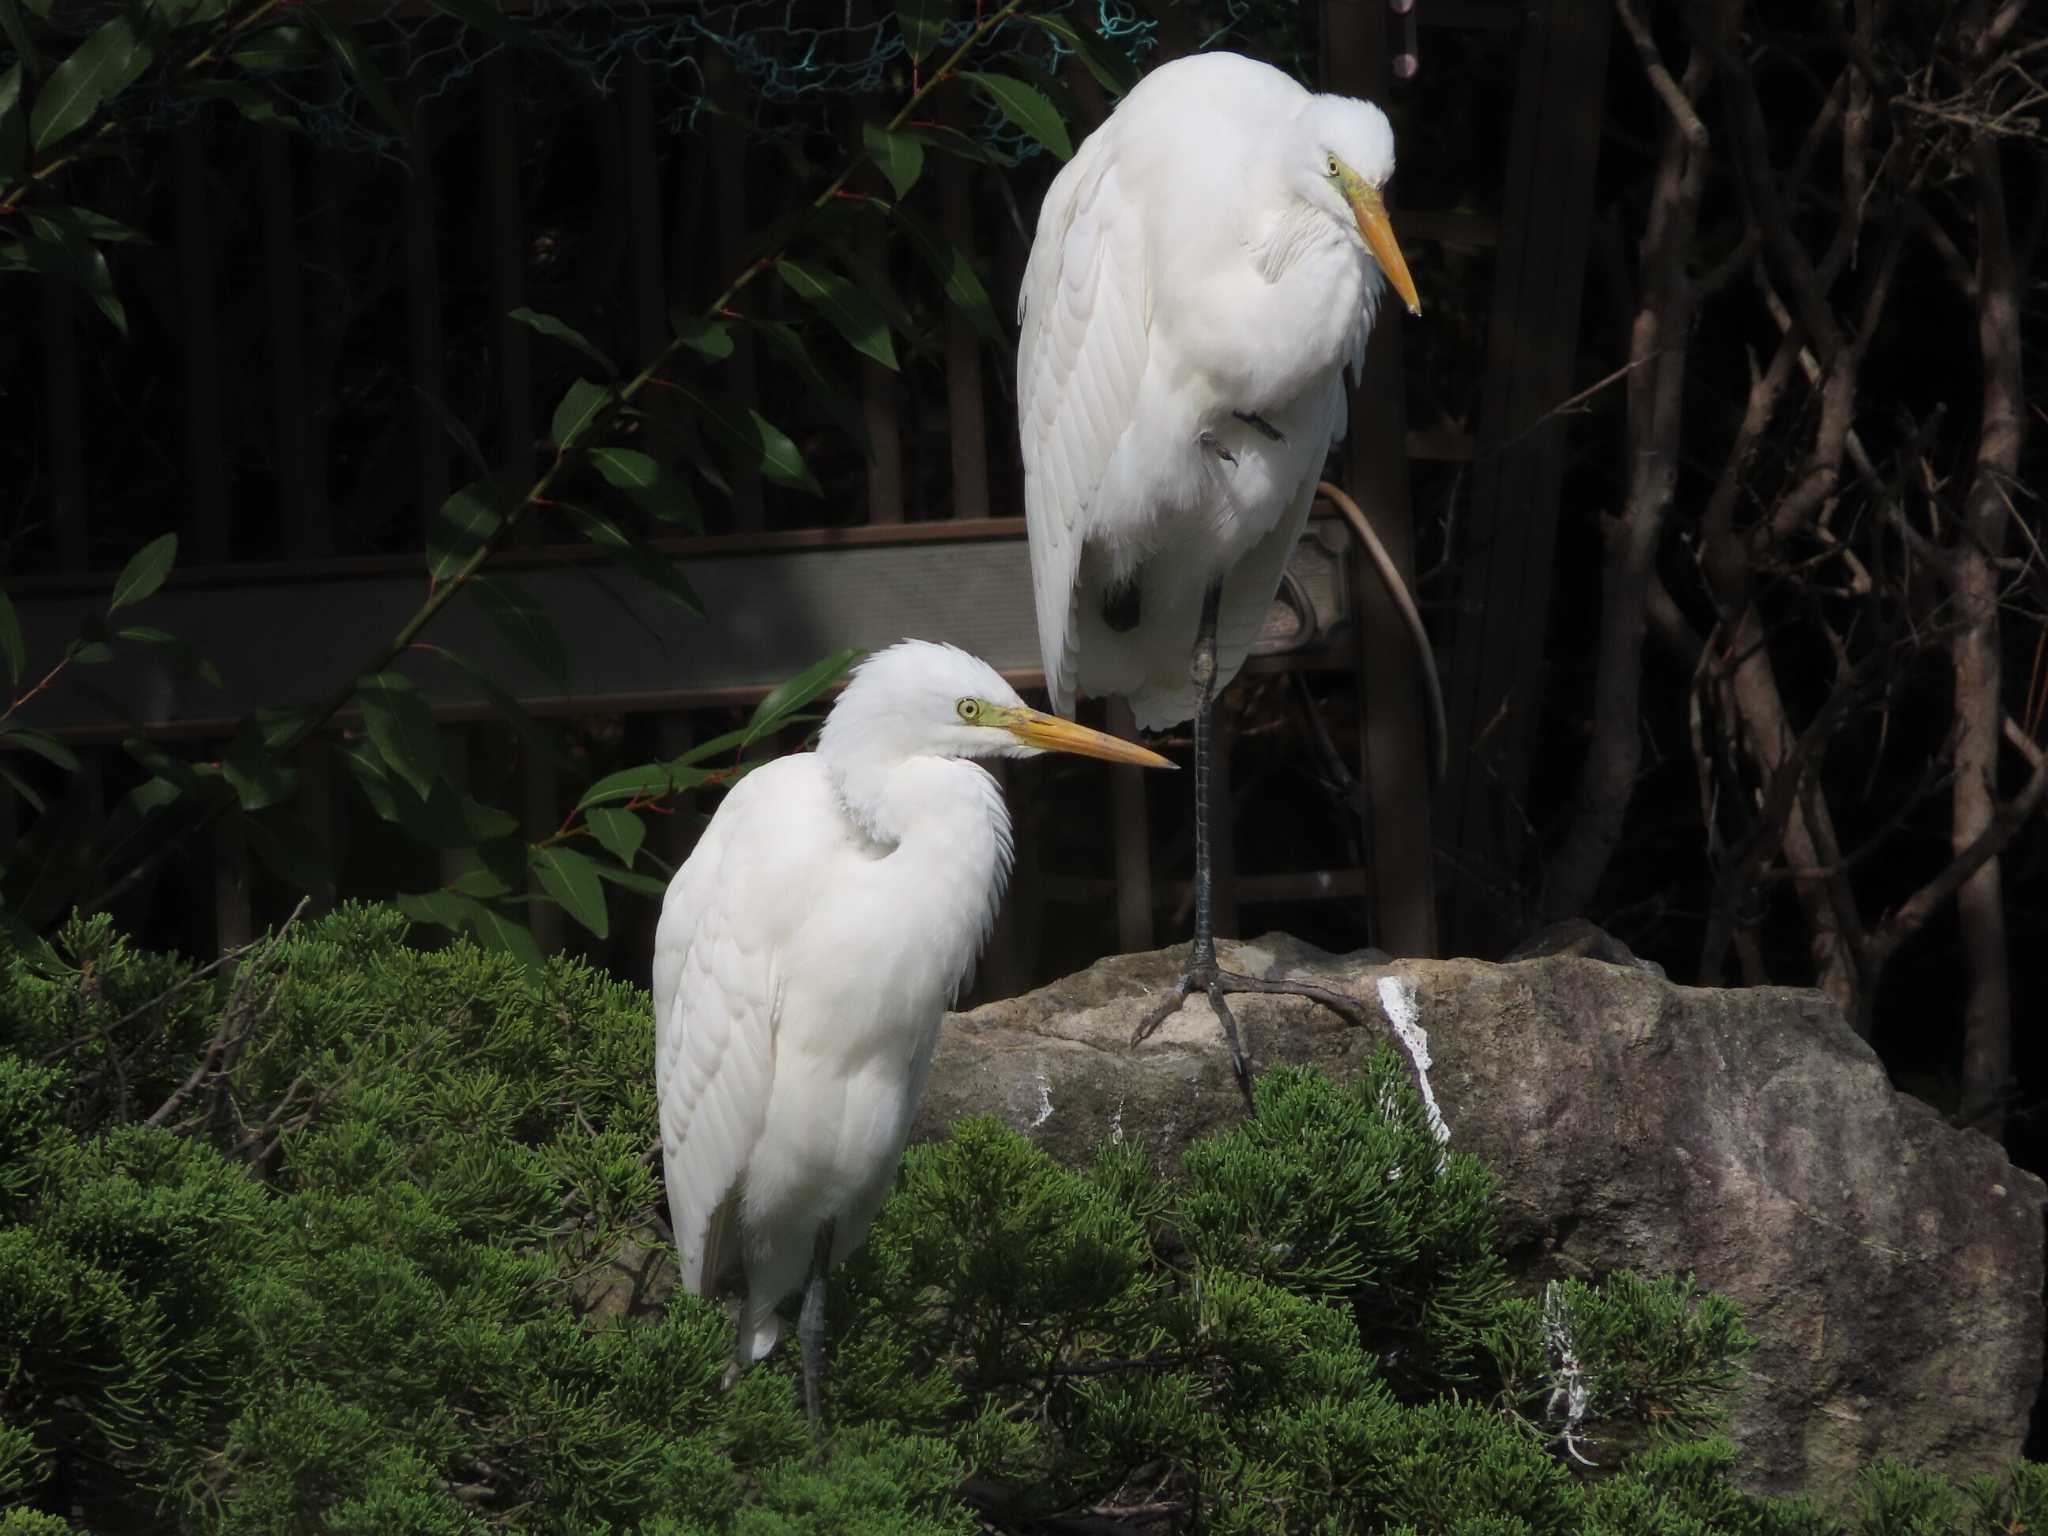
(716, 952)
(1080, 361)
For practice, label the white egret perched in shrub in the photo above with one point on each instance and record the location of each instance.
(807, 949)
(1205, 267)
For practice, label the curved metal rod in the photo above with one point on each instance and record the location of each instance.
(1397, 589)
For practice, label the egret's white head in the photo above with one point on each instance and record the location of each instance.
(921, 699)
(1341, 160)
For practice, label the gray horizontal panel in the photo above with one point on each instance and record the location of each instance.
(774, 605)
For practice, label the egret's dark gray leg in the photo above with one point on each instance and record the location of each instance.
(810, 1329)
(1203, 974)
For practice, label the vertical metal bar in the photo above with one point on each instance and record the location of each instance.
(1394, 734)
(966, 411)
(1133, 840)
(67, 431)
(508, 270)
(287, 338)
(423, 318)
(205, 452)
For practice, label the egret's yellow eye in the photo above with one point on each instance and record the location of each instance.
(970, 710)
(1332, 165)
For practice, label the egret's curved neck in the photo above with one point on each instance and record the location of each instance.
(941, 839)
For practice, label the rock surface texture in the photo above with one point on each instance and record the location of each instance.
(1889, 1265)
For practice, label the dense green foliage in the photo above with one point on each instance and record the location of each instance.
(357, 1241)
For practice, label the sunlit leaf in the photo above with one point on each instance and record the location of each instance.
(22, 788)
(497, 929)
(572, 880)
(655, 491)
(1110, 68)
(632, 880)
(1026, 107)
(279, 48)
(99, 68)
(620, 832)
(64, 249)
(711, 338)
(846, 410)
(175, 646)
(760, 442)
(256, 774)
(255, 106)
(144, 572)
(281, 841)
(487, 18)
(949, 264)
(17, 34)
(772, 713)
(443, 909)
(460, 527)
(651, 565)
(524, 624)
(578, 408)
(953, 142)
(356, 59)
(923, 23)
(851, 312)
(402, 728)
(900, 156)
(650, 781)
(47, 747)
(567, 334)
(539, 737)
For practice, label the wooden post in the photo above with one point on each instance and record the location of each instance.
(966, 411)
(508, 273)
(1393, 730)
(206, 456)
(1495, 674)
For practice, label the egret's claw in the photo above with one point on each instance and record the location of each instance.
(1216, 983)
(1258, 423)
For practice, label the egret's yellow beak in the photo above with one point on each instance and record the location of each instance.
(1052, 734)
(1370, 209)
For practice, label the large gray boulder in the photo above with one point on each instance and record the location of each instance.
(1889, 1265)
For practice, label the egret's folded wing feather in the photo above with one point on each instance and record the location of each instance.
(714, 992)
(1080, 362)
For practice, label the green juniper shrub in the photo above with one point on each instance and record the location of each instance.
(335, 1245)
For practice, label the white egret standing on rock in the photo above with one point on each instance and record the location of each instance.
(807, 949)
(1205, 267)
